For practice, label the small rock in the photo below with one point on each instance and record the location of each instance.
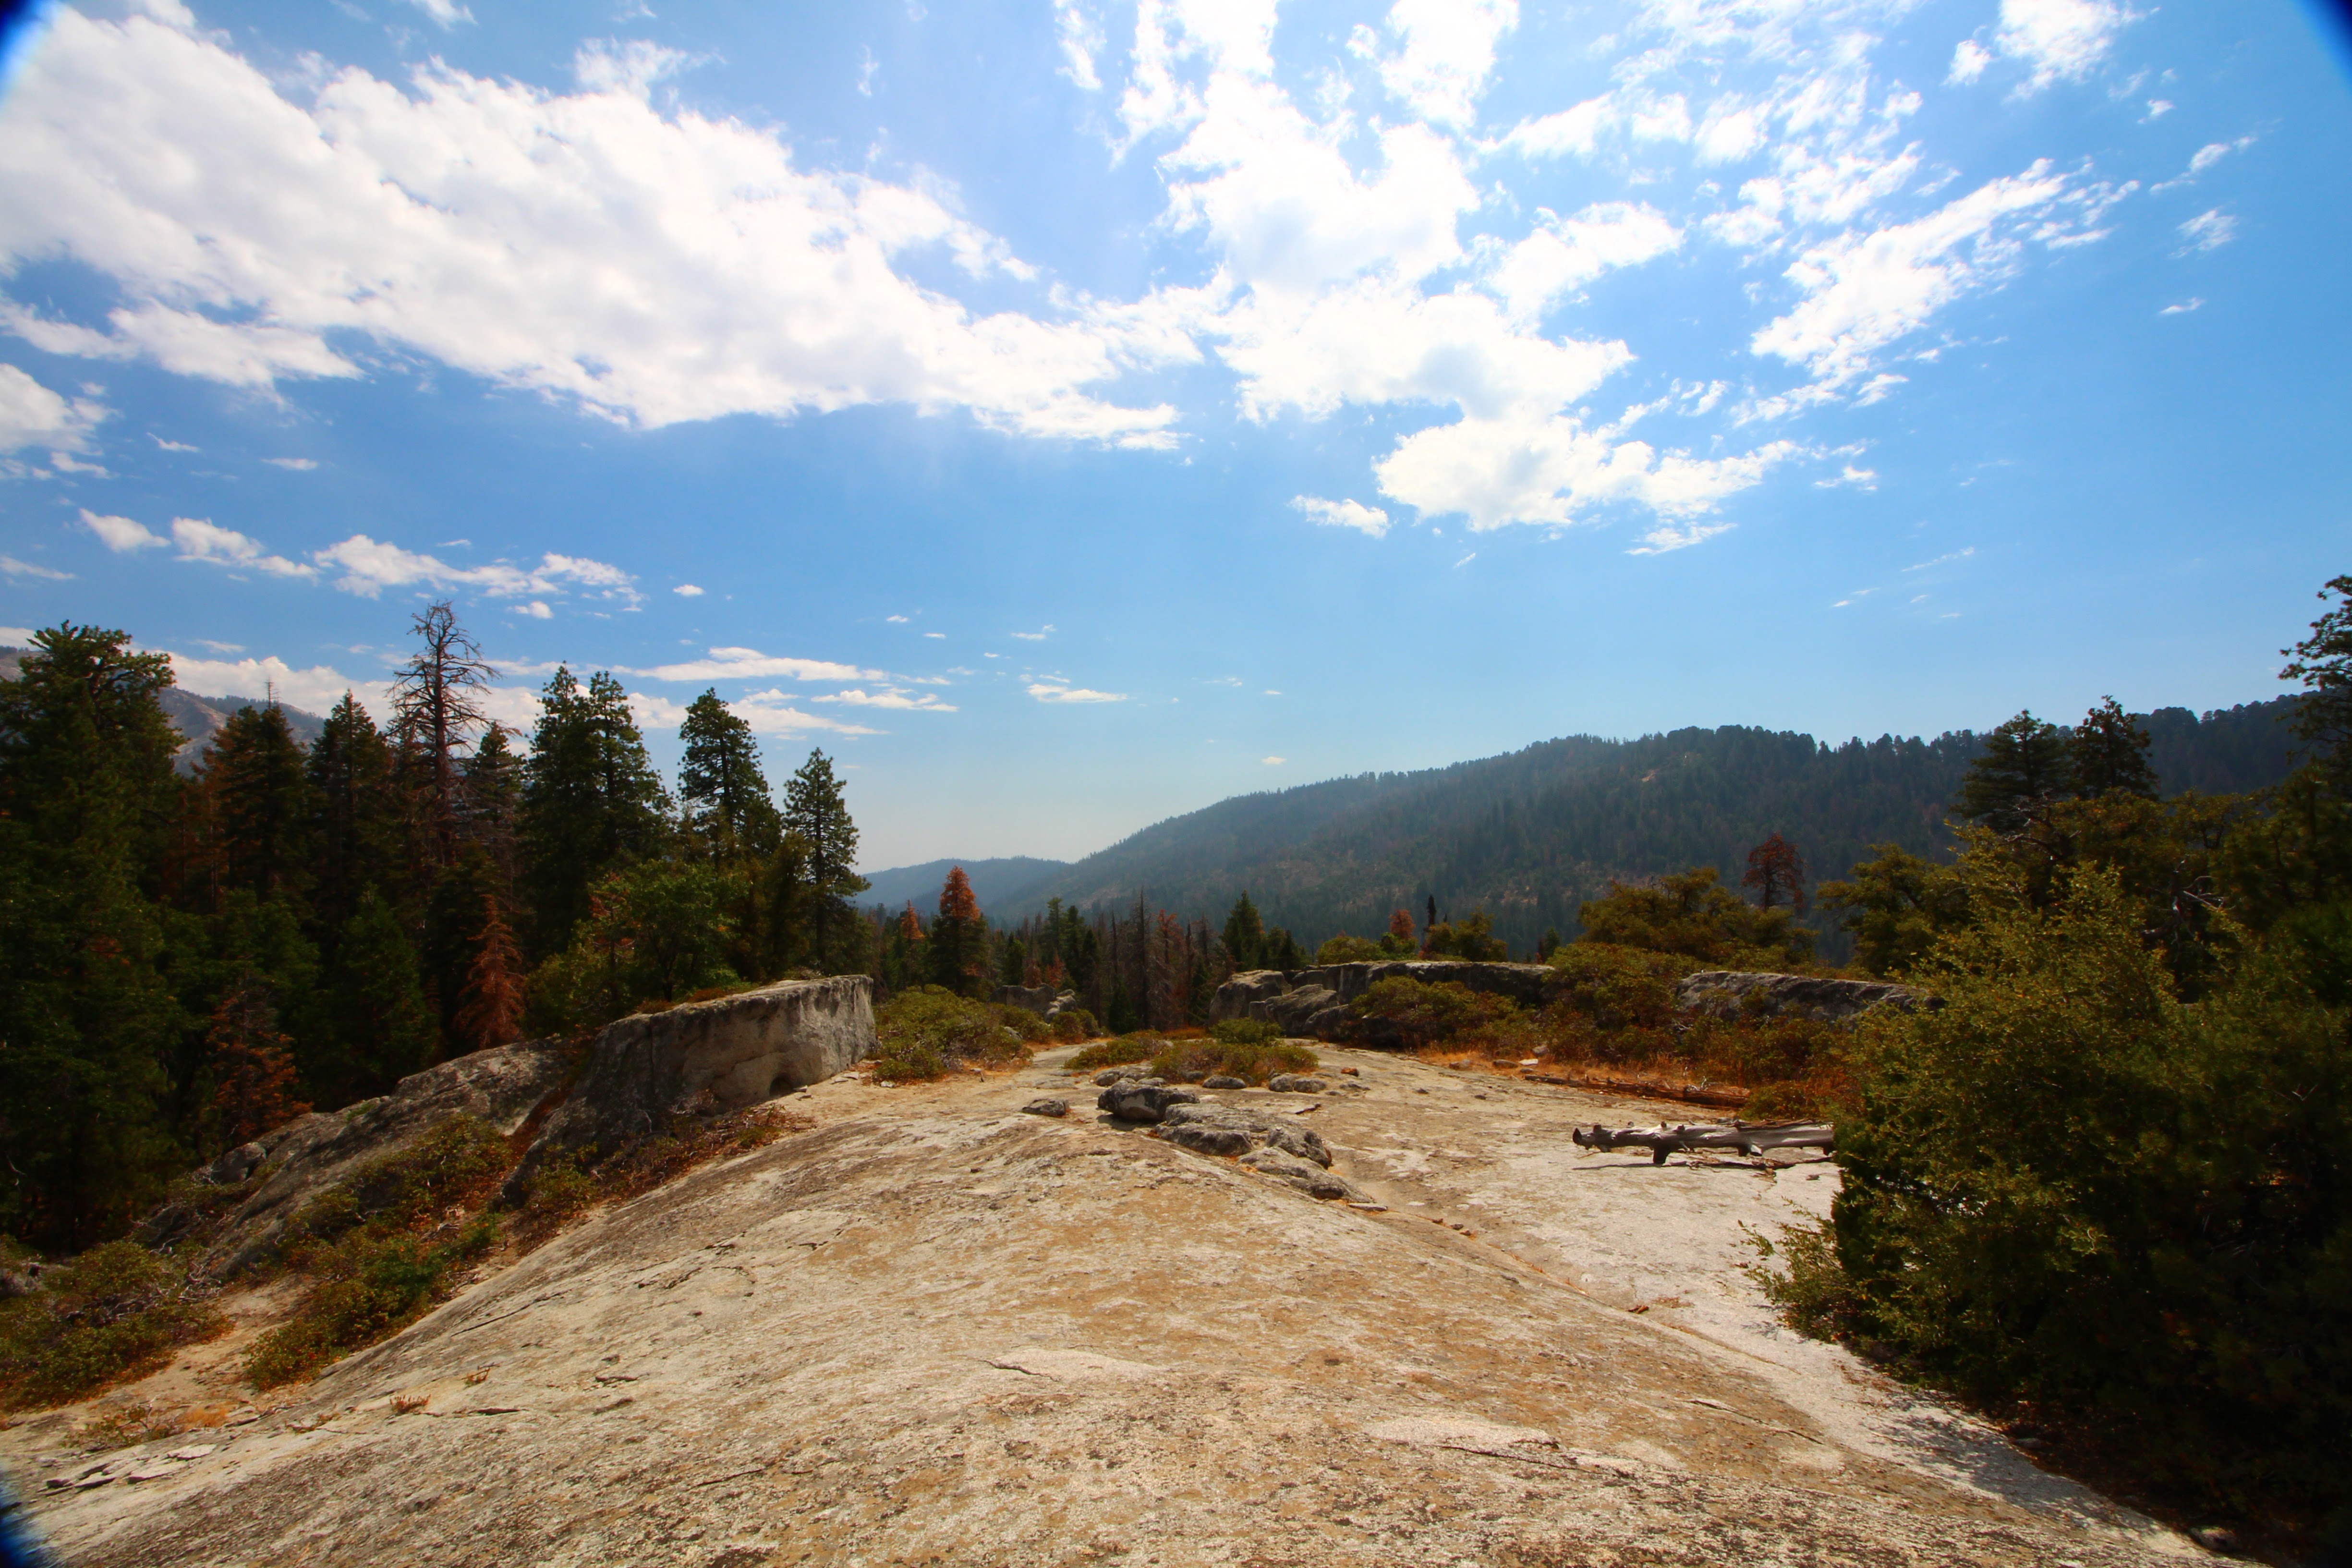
(98, 1479)
(195, 1450)
(243, 1418)
(1192, 1126)
(1224, 1081)
(1294, 1083)
(1147, 1101)
(1306, 1176)
(151, 1472)
(1134, 1072)
(2215, 1537)
(1045, 1105)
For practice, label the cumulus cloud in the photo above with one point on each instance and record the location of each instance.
(315, 689)
(1445, 49)
(201, 540)
(33, 416)
(771, 712)
(1054, 688)
(1080, 36)
(369, 566)
(652, 268)
(1551, 469)
(1352, 514)
(121, 534)
(2058, 40)
(891, 697)
(688, 591)
(1968, 62)
(750, 664)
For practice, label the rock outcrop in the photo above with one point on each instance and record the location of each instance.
(1734, 993)
(502, 1086)
(1313, 1002)
(708, 1057)
(1046, 1001)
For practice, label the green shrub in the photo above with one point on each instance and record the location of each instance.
(1692, 913)
(1190, 1060)
(1814, 1297)
(1472, 939)
(1346, 949)
(117, 1311)
(456, 1161)
(1424, 1014)
(2068, 1188)
(1117, 1053)
(928, 1030)
(1075, 1023)
(368, 1286)
(1615, 986)
(1245, 1032)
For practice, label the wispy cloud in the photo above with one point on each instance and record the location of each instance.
(1054, 688)
(299, 465)
(121, 534)
(2209, 230)
(369, 566)
(2183, 309)
(891, 697)
(1038, 636)
(199, 540)
(16, 568)
(750, 664)
(1368, 519)
(1945, 560)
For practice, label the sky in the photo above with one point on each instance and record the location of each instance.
(1069, 414)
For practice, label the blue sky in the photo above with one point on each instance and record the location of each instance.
(1070, 414)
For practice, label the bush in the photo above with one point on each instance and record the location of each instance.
(1346, 949)
(1472, 939)
(1692, 914)
(2068, 1189)
(117, 1311)
(1072, 1024)
(1424, 1013)
(1615, 986)
(1189, 1061)
(1117, 1053)
(1245, 1032)
(929, 1030)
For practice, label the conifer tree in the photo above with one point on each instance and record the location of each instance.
(386, 1032)
(490, 1011)
(255, 773)
(2322, 663)
(355, 821)
(2024, 764)
(85, 790)
(815, 808)
(719, 783)
(1244, 934)
(959, 938)
(592, 803)
(491, 799)
(252, 1067)
(1777, 872)
(1013, 969)
(2107, 754)
(437, 703)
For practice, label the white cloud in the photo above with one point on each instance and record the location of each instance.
(1352, 514)
(172, 445)
(1274, 762)
(1944, 560)
(1564, 255)
(17, 637)
(1081, 39)
(772, 713)
(892, 696)
(1860, 478)
(33, 416)
(1052, 689)
(199, 540)
(750, 664)
(299, 465)
(688, 591)
(938, 636)
(369, 566)
(1447, 49)
(315, 689)
(445, 12)
(2058, 40)
(1968, 62)
(537, 610)
(1038, 636)
(2183, 308)
(16, 568)
(121, 534)
(652, 268)
(220, 646)
(2157, 108)
(2210, 230)
(896, 620)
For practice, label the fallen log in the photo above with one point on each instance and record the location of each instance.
(1748, 1137)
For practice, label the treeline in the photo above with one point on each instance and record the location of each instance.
(186, 961)
(1530, 836)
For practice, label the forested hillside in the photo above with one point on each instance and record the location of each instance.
(997, 884)
(1528, 837)
(198, 718)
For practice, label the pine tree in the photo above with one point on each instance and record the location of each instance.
(2022, 765)
(386, 1032)
(491, 797)
(719, 783)
(815, 808)
(2323, 662)
(592, 803)
(255, 774)
(1245, 935)
(437, 703)
(490, 1011)
(252, 1067)
(2107, 754)
(1014, 967)
(355, 829)
(1777, 872)
(959, 938)
(86, 1019)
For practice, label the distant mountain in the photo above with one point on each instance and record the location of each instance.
(993, 882)
(1530, 835)
(197, 718)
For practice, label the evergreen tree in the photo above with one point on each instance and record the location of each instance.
(255, 774)
(959, 938)
(251, 1067)
(450, 938)
(781, 937)
(592, 803)
(437, 703)
(1013, 969)
(490, 1011)
(1777, 872)
(1245, 935)
(355, 822)
(2108, 754)
(720, 784)
(815, 808)
(386, 1032)
(2323, 662)
(491, 794)
(2024, 764)
(85, 790)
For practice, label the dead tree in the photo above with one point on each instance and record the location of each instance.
(1747, 1138)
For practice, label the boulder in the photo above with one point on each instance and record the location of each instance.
(1307, 1177)
(1199, 1127)
(1045, 1105)
(1730, 994)
(1294, 1083)
(1131, 1072)
(296, 1161)
(1314, 1002)
(1224, 1081)
(705, 1058)
(1143, 1101)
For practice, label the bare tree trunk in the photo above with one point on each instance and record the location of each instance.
(1750, 1139)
